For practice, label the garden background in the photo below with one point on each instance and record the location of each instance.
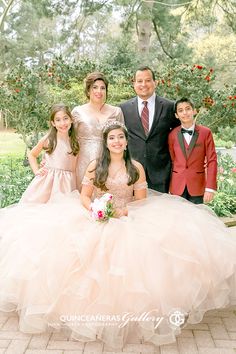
(48, 47)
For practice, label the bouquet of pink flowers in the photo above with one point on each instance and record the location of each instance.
(102, 209)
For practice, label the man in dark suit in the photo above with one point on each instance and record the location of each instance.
(149, 119)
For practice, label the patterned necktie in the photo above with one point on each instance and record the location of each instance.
(145, 117)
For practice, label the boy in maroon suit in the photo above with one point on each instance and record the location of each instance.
(193, 156)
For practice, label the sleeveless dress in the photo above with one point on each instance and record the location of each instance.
(89, 131)
(168, 259)
(60, 177)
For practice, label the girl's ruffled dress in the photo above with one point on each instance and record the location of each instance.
(61, 269)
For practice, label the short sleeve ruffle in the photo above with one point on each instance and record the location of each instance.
(87, 181)
(139, 186)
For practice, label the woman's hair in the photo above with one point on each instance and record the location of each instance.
(52, 134)
(93, 77)
(103, 162)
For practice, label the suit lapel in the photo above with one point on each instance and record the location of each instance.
(187, 152)
(181, 142)
(157, 114)
(138, 124)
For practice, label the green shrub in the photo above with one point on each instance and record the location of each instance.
(219, 142)
(227, 134)
(14, 179)
(224, 202)
(228, 144)
(26, 94)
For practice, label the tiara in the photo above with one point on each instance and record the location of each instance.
(110, 123)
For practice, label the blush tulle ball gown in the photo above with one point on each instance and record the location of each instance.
(59, 268)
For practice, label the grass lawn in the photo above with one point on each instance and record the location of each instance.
(11, 144)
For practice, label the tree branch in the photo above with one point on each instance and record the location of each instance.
(5, 14)
(159, 39)
(132, 12)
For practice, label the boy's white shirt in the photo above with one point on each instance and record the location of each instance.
(188, 138)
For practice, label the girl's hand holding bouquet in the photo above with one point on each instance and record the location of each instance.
(102, 209)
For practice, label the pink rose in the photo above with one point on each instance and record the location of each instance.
(100, 214)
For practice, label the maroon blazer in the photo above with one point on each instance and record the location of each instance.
(193, 165)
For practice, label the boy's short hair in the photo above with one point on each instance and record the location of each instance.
(181, 100)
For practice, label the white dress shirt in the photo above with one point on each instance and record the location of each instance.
(151, 108)
(187, 136)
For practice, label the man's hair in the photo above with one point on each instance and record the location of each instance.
(183, 99)
(144, 68)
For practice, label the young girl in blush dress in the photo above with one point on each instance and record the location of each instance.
(61, 150)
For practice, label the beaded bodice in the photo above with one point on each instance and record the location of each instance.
(117, 186)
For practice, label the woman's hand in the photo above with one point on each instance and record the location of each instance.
(119, 212)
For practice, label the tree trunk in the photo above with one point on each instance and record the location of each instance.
(144, 27)
(1, 121)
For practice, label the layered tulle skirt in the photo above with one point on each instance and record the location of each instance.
(168, 262)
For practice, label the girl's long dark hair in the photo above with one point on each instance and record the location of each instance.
(52, 134)
(103, 162)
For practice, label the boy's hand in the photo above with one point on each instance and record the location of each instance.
(208, 197)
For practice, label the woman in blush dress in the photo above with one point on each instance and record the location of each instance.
(90, 118)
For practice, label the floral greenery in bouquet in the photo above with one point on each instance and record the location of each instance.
(102, 208)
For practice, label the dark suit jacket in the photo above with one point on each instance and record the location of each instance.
(152, 150)
(194, 166)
